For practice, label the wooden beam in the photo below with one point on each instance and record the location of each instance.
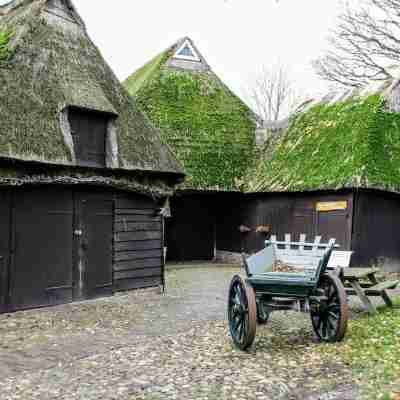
(365, 300)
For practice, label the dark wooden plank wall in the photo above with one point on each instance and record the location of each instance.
(94, 217)
(229, 217)
(266, 210)
(5, 235)
(376, 238)
(190, 233)
(41, 270)
(291, 213)
(138, 243)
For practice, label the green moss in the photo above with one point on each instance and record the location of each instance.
(355, 143)
(136, 80)
(6, 52)
(209, 129)
(53, 69)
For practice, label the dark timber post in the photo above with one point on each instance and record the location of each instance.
(163, 255)
(79, 262)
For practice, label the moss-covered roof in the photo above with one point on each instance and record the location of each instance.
(210, 130)
(49, 63)
(351, 143)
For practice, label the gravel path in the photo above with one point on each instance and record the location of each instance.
(144, 345)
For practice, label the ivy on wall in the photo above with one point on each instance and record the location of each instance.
(210, 130)
(355, 143)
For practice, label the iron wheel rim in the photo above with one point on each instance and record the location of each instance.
(241, 313)
(330, 320)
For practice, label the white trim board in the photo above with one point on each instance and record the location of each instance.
(195, 56)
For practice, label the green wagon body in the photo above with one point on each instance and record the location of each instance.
(309, 287)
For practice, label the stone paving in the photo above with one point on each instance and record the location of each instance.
(145, 345)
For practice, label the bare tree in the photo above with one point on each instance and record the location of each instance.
(273, 94)
(365, 44)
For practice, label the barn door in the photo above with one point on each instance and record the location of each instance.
(5, 213)
(304, 219)
(334, 224)
(334, 220)
(41, 272)
(93, 240)
(190, 233)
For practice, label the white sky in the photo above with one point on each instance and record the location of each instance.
(237, 37)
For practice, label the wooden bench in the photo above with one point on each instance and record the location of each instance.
(363, 283)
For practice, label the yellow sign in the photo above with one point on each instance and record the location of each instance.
(332, 206)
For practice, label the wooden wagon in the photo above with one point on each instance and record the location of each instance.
(288, 275)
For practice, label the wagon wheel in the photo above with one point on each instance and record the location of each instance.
(262, 313)
(329, 319)
(242, 313)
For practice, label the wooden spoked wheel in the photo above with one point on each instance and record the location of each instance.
(242, 313)
(329, 318)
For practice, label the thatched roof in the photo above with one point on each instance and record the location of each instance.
(345, 140)
(48, 63)
(211, 131)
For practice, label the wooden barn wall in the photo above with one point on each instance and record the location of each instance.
(376, 236)
(62, 244)
(295, 214)
(5, 236)
(42, 245)
(230, 209)
(138, 243)
(202, 223)
(190, 233)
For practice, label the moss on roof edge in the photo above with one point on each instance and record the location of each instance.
(349, 144)
(168, 97)
(21, 174)
(54, 68)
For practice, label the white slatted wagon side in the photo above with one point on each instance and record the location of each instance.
(288, 275)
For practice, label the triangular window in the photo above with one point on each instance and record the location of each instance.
(187, 52)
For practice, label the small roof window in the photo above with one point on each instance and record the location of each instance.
(187, 52)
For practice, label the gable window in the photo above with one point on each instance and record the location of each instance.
(187, 52)
(89, 132)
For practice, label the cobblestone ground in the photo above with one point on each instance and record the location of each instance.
(144, 345)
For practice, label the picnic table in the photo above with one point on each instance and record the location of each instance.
(363, 283)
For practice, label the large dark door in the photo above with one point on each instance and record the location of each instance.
(190, 233)
(334, 224)
(41, 272)
(93, 233)
(5, 214)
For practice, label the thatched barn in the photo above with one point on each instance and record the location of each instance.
(83, 174)
(211, 131)
(334, 171)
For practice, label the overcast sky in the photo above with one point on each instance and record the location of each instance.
(237, 37)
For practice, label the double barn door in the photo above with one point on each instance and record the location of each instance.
(55, 247)
(334, 221)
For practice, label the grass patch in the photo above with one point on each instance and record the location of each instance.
(372, 350)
